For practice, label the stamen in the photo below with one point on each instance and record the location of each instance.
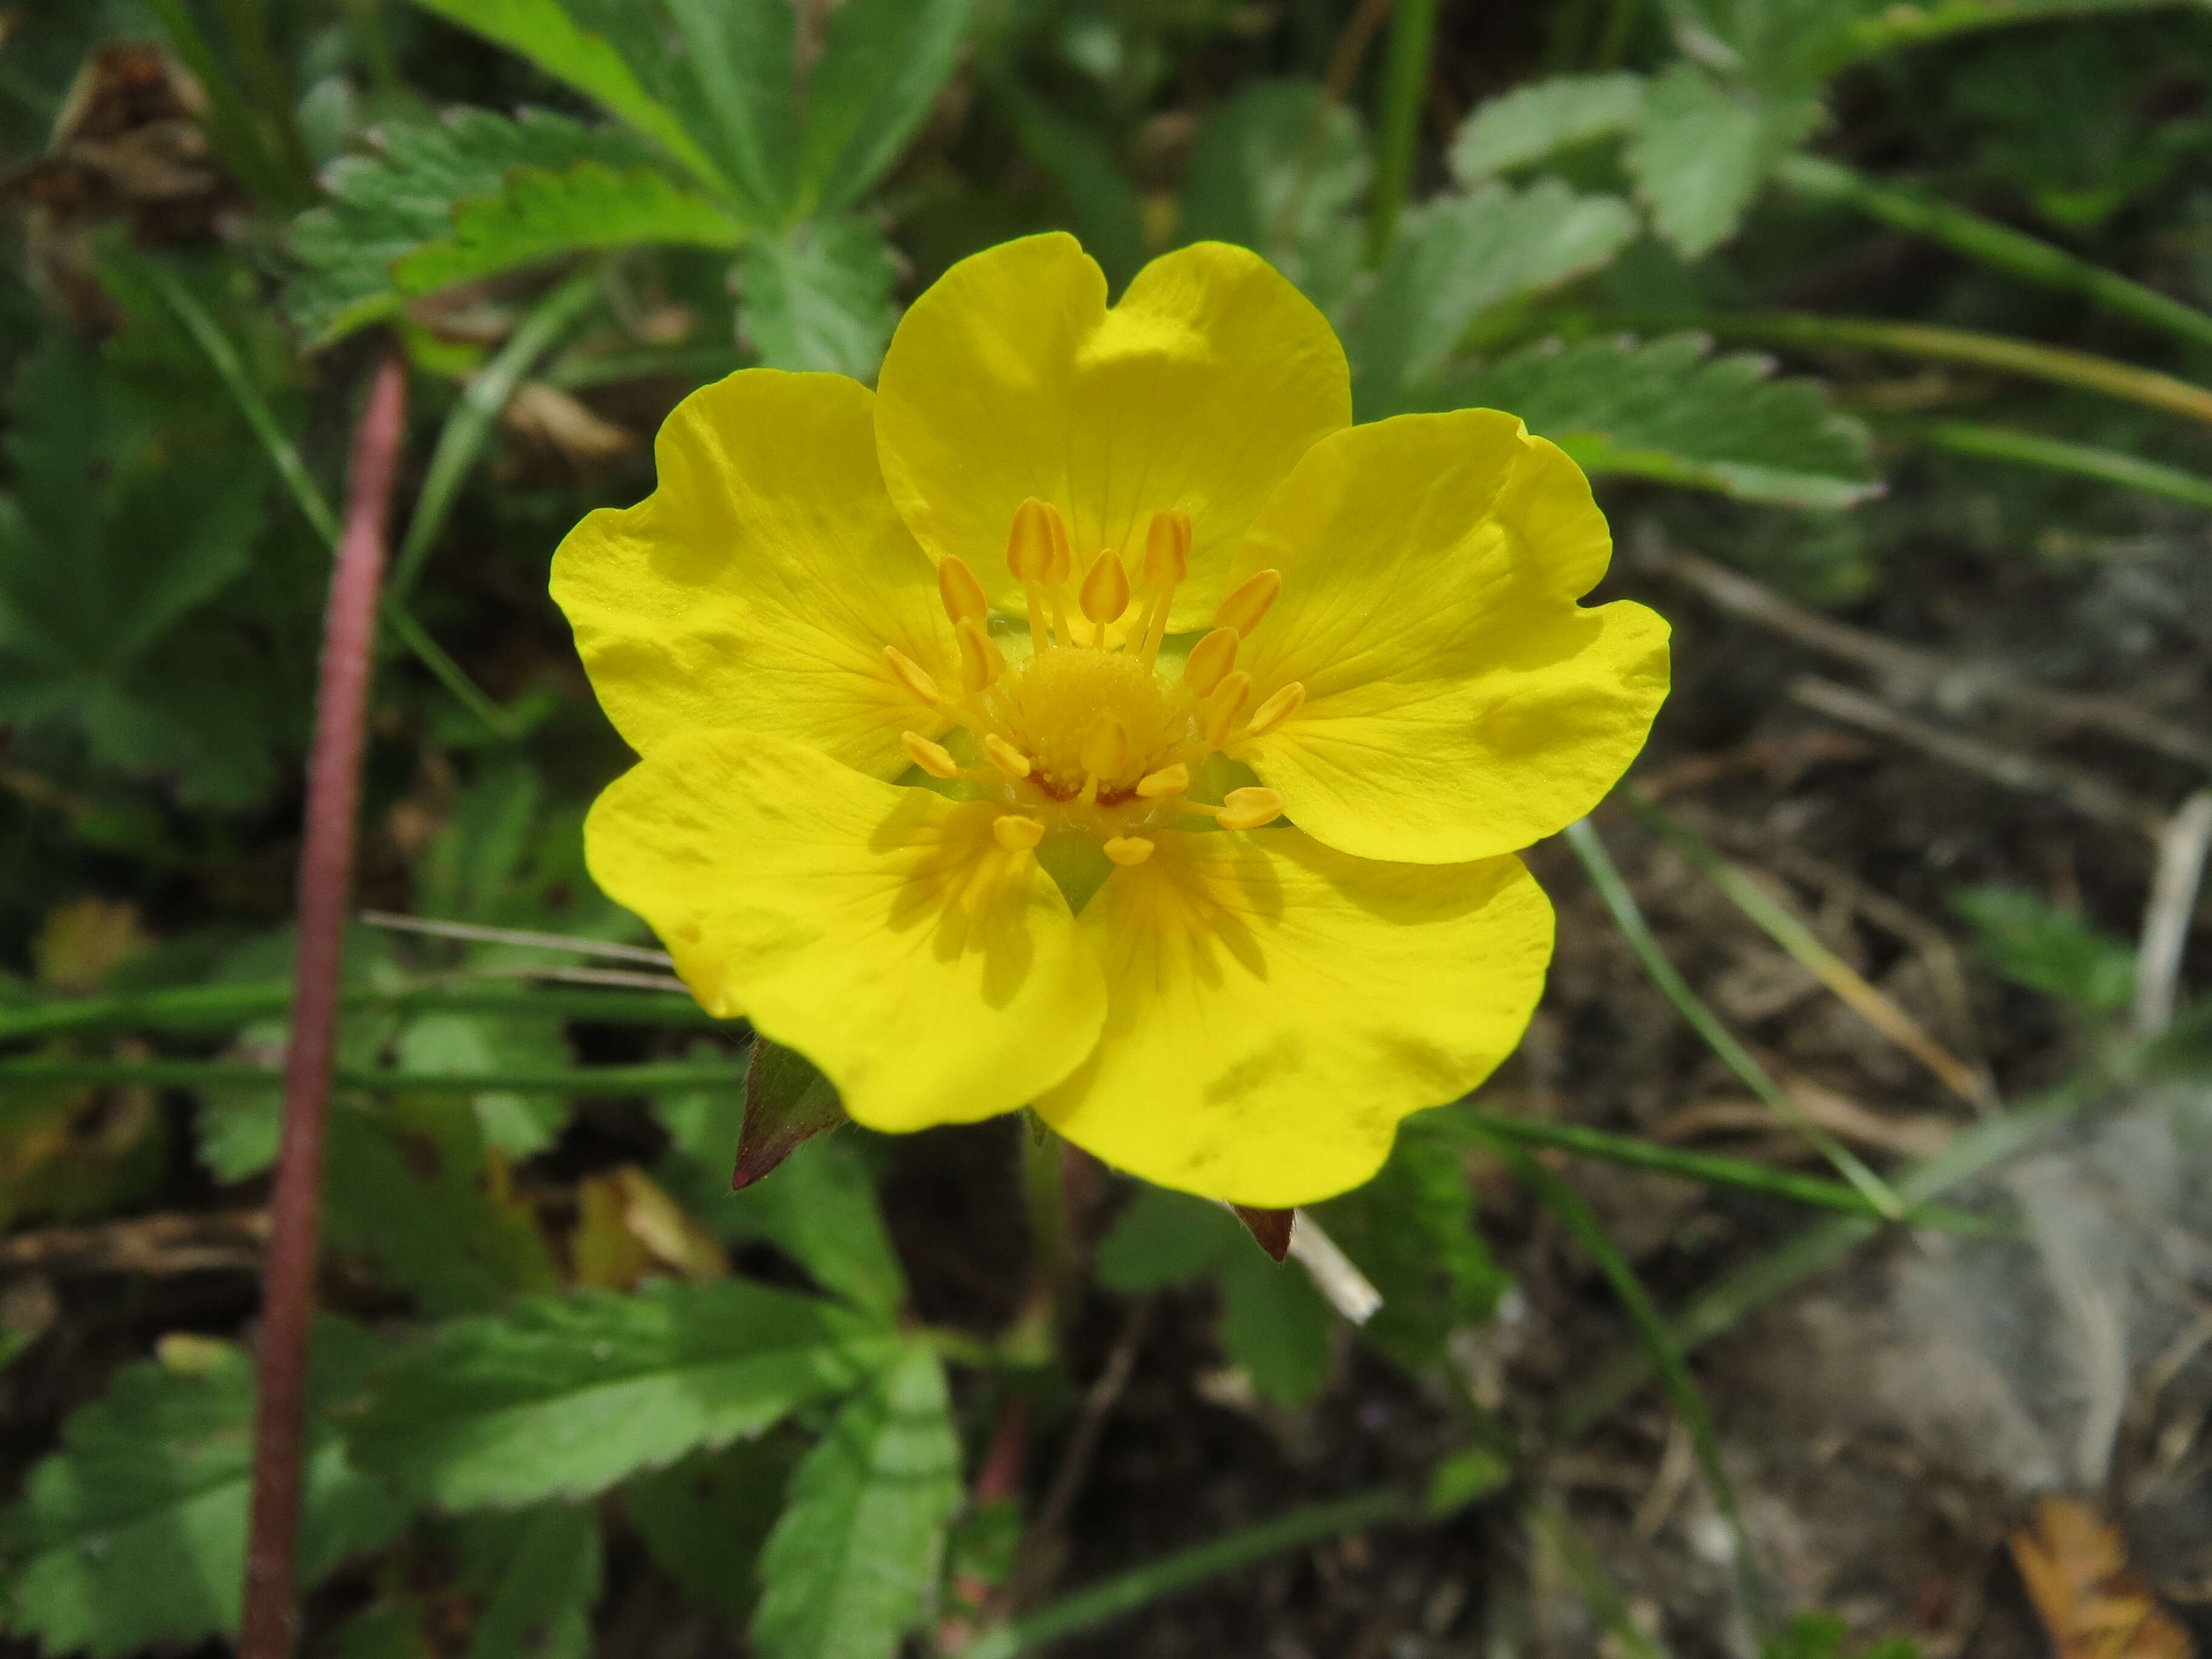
(1286, 702)
(1226, 707)
(1105, 748)
(1248, 809)
(1168, 780)
(1243, 610)
(1062, 564)
(934, 758)
(1129, 849)
(1004, 756)
(1029, 544)
(911, 675)
(1016, 833)
(980, 661)
(1104, 594)
(961, 593)
(1167, 548)
(1210, 661)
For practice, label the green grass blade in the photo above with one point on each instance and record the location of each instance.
(2111, 466)
(1405, 94)
(643, 1079)
(462, 440)
(1628, 916)
(226, 1007)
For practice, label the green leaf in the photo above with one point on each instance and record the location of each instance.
(1279, 168)
(546, 32)
(562, 1398)
(845, 1572)
(1273, 1323)
(1103, 205)
(881, 65)
(1457, 257)
(1701, 150)
(1411, 1230)
(519, 1125)
(1667, 410)
(705, 1519)
(730, 67)
(541, 215)
(1532, 123)
(539, 1573)
(820, 298)
(820, 1209)
(386, 206)
(134, 1533)
(2036, 944)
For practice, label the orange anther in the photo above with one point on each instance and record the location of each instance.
(1129, 849)
(1030, 543)
(1168, 780)
(1226, 707)
(1062, 564)
(1286, 702)
(934, 758)
(1105, 748)
(1104, 594)
(912, 674)
(961, 593)
(1248, 809)
(1167, 548)
(1004, 756)
(1210, 659)
(1016, 833)
(980, 661)
(1243, 610)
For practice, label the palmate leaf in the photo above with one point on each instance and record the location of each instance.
(539, 1572)
(1534, 122)
(882, 62)
(704, 1520)
(1670, 411)
(863, 1526)
(819, 297)
(1457, 257)
(385, 207)
(563, 1398)
(1701, 151)
(542, 214)
(134, 1533)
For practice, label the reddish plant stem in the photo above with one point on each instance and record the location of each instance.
(271, 1626)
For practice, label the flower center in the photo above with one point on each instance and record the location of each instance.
(1089, 734)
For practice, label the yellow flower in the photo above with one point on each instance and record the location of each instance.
(975, 715)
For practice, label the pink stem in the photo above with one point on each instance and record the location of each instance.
(271, 1618)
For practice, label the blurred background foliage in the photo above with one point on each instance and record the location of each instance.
(571, 1392)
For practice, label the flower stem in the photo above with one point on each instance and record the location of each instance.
(270, 1620)
(1404, 83)
(1052, 1248)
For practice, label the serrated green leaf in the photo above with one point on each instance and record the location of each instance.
(134, 1533)
(1667, 410)
(2036, 944)
(844, 1572)
(541, 215)
(518, 1125)
(588, 58)
(1457, 257)
(881, 65)
(562, 1398)
(705, 1519)
(820, 1208)
(820, 298)
(1701, 152)
(1531, 123)
(1412, 1232)
(1279, 168)
(539, 1573)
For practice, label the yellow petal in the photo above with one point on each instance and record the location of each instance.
(1010, 377)
(934, 975)
(758, 585)
(1276, 1007)
(1457, 702)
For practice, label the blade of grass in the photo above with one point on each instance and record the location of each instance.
(2111, 466)
(461, 442)
(1715, 1309)
(1628, 916)
(231, 128)
(1405, 93)
(1666, 1357)
(1156, 1581)
(1552, 1529)
(220, 1074)
(1799, 941)
(1477, 1123)
(226, 1007)
(271, 89)
(306, 496)
(1997, 245)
